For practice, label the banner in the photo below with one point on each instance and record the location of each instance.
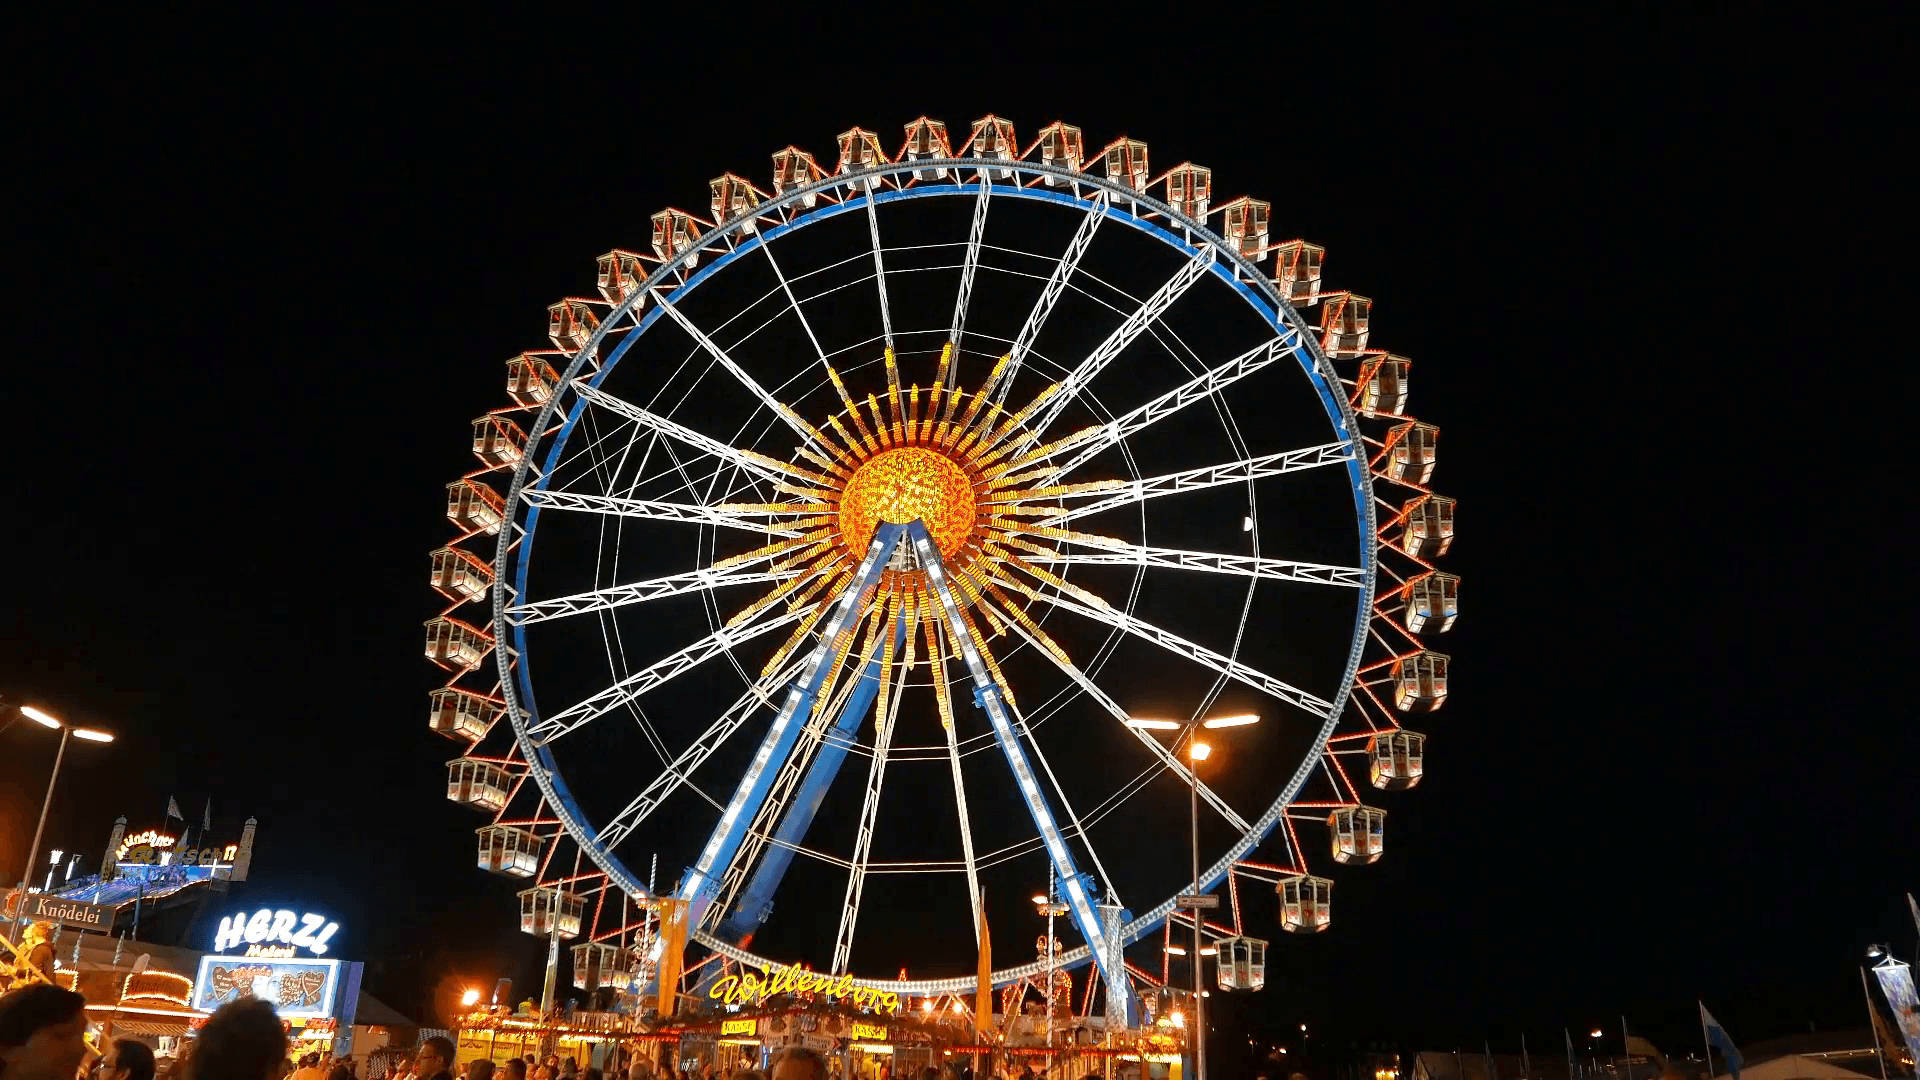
(1896, 981)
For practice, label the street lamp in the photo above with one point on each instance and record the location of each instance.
(469, 999)
(48, 720)
(1197, 752)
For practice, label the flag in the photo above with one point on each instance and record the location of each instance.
(1882, 1036)
(173, 810)
(206, 819)
(983, 979)
(1718, 1039)
(1896, 982)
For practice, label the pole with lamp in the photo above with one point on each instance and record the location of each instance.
(1195, 902)
(47, 720)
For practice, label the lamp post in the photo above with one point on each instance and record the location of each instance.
(33, 850)
(1197, 752)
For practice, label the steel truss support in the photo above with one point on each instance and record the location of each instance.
(1232, 472)
(1136, 324)
(989, 696)
(756, 900)
(654, 510)
(1050, 294)
(701, 882)
(640, 592)
(1202, 386)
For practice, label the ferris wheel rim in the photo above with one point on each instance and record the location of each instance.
(1229, 265)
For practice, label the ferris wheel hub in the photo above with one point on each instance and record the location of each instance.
(906, 484)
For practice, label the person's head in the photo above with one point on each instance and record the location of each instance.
(516, 1068)
(125, 1059)
(43, 1033)
(593, 1073)
(640, 1069)
(543, 1072)
(481, 1070)
(435, 1057)
(243, 1040)
(799, 1063)
(340, 1072)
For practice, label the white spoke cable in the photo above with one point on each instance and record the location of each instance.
(1122, 336)
(1146, 739)
(974, 235)
(633, 686)
(863, 835)
(753, 386)
(879, 272)
(1199, 654)
(683, 767)
(1119, 553)
(769, 468)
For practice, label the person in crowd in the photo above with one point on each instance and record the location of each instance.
(310, 1068)
(125, 1059)
(639, 1069)
(543, 1071)
(516, 1068)
(435, 1060)
(243, 1040)
(340, 1071)
(593, 1073)
(479, 1069)
(43, 1033)
(749, 1074)
(799, 1063)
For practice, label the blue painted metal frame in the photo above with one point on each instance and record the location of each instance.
(756, 900)
(1278, 314)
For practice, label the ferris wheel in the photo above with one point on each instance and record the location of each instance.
(884, 541)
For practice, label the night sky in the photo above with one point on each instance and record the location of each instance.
(264, 279)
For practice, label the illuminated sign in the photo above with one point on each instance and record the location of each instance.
(869, 1031)
(275, 933)
(739, 1027)
(748, 987)
(295, 988)
(149, 846)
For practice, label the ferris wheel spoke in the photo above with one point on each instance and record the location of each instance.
(1207, 476)
(972, 263)
(1153, 745)
(689, 761)
(1136, 324)
(1120, 553)
(767, 468)
(654, 510)
(793, 301)
(880, 274)
(1201, 387)
(792, 419)
(639, 592)
(1056, 284)
(1199, 654)
(634, 686)
(870, 805)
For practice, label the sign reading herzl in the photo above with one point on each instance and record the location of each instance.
(71, 912)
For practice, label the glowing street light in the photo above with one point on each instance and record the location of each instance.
(1594, 1034)
(1199, 751)
(469, 999)
(48, 720)
(1153, 725)
(1239, 720)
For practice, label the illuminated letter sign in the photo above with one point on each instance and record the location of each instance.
(739, 1027)
(756, 988)
(876, 1032)
(274, 933)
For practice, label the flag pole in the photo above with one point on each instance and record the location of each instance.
(1626, 1052)
(1873, 1025)
(1705, 1039)
(1526, 1064)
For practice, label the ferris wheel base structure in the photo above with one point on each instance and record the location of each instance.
(698, 887)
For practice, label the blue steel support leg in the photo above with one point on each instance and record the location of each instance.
(700, 884)
(756, 900)
(990, 697)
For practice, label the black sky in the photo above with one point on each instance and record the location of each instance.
(264, 275)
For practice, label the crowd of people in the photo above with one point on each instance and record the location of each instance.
(43, 1036)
